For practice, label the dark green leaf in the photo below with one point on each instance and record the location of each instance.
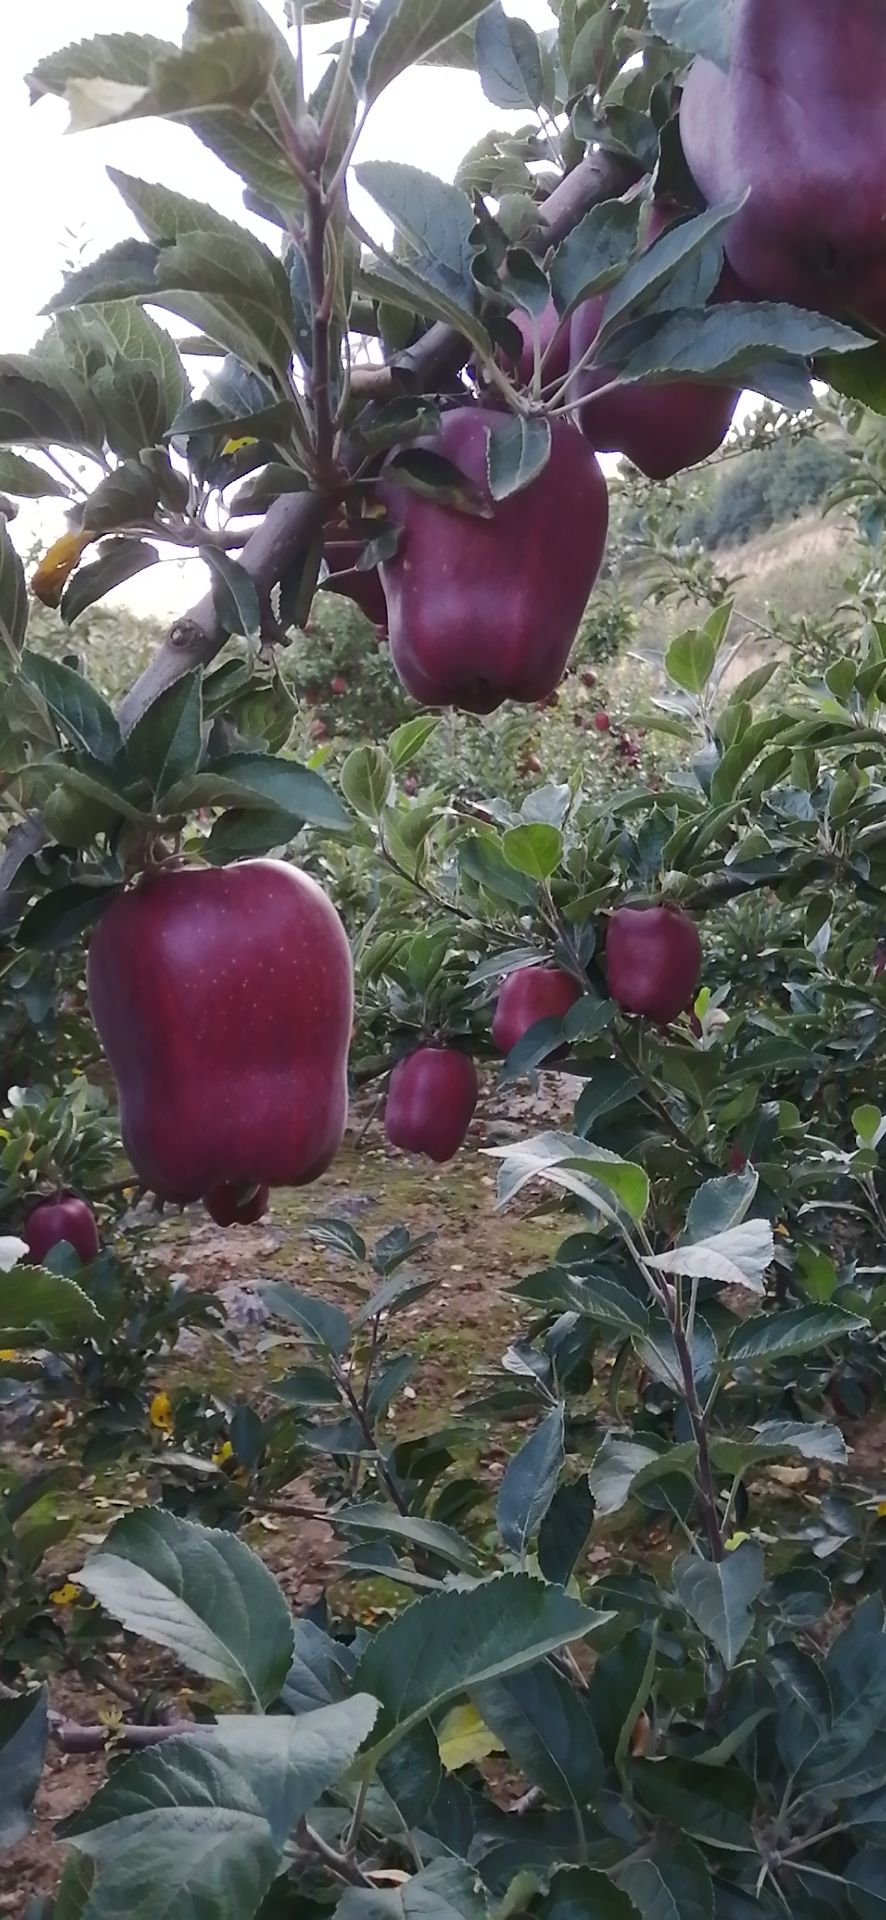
(118, 560)
(402, 32)
(197, 1826)
(593, 255)
(546, 1731)
(719, 1596)
(322, 1323)
(446, 1890)
(81, 714)
(61, 917)
(777, 1336)
(674, 1885)
(582, 1893)
(234, 593)
(450, 1642)
(39, 1308)
(564, 1531)
(24, 1728)
(698, 26)
(428, 1535)
(13, 599)
(516, 454)
(508, 60)
(28, 481)
(529, 1483)
(167, 740)
(199, 1592)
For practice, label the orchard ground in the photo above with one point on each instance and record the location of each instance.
(462, 1326)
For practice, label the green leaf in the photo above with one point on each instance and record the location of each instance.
(697, 26)
(13, 597)
(322, 1323)
(229, 69)
(711, 1804)
(434, 217)
(82, 716)
(432, 476)
(406, 742)
(782, 1336)
(429, 1535)
(402, 32)
(674, 1885)
(534, 850)
(24, 1730)
(42, 404)
(516, 454)
(869, 1125)
(262, 781)
(62, 916)
(508, 60)
(719, 1596)
(446, 1890)
(621, 1466)
(197, 1827)
(724, 342)
(690, 660)
(737, 1258)
(118, 561)
(443, 1646)
(866, 1883)
(530, 1482)
(545, 1729)
(651, 271)
(234, 594)
(721, 1204)
(617, 1189)
(593, 255)
(201, 1593)
(620, 1687)
(583, 1893)
(366, 780)
(564, 1531)
(40, 1308)
(167, 740)
(25, 480)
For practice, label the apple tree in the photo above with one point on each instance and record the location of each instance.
(688, 204)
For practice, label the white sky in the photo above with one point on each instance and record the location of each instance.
(53, 184)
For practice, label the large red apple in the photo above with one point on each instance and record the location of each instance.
(223, 1000)
(653, 961)
(486, 610)
(431, 1099)
(231, 1206)
(66, 1218)
(799, 120)
(661, 427)
(531, 994)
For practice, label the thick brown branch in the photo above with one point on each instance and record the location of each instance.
(441, 351)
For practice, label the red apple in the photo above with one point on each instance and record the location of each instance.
(66, 1218)
(653, 961)
(223, 1000)
(338, 683)
(799, 120)
(531, 994)
(231, 1206)
(602, 722)
(588, 678)
(472, 617)
(431, 1099)
(554, 335)
(661, 427)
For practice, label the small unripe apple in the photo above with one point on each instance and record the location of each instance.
(432, 1095)
(602, 722)
(529, 995)
(653, 961)
(67, 1218)
(233, 1206)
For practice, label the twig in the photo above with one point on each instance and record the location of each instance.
(338, 1863)
(71, 1737)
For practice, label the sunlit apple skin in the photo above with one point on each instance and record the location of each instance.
(653, 961)
(530, 995)
(67, 1218)
(223, 999)
(228, 1209)
(471, 614)
(431, 1100)
(799, 121)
